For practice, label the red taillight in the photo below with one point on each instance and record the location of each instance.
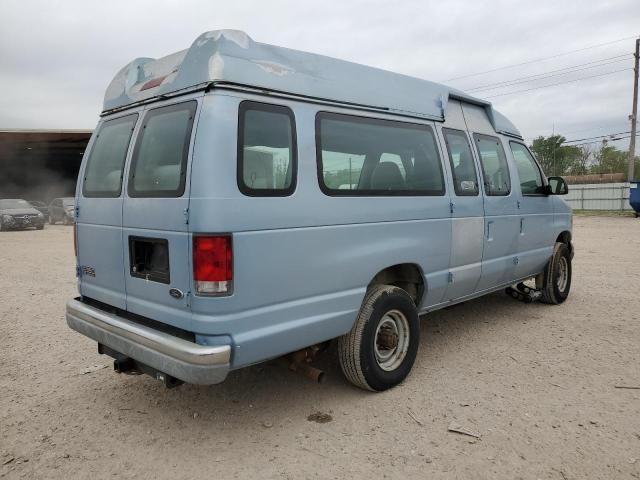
(212, 264)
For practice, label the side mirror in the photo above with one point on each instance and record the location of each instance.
(557, 186)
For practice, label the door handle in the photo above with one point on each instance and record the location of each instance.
(490, 230)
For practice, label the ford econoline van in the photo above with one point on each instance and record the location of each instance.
(240, 201)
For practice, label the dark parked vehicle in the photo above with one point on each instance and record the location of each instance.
(17, 213)
(62, 210)
(42, 207)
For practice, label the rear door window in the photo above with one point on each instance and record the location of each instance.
(103, 173)
(494, 165)
(159, 164)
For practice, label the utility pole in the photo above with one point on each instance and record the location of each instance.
(634, 115)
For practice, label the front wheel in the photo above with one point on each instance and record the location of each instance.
(555, 281)
(380, 349)
(52, 221)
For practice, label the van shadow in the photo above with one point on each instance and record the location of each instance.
(270, 389)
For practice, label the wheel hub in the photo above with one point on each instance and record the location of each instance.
(563, 274)
(391, 340)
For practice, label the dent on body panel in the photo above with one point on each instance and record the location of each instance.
(274, 68)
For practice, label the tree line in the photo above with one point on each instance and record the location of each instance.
(557, 158)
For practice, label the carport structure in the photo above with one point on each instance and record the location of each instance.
(40, 164)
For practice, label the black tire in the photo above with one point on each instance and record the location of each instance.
(40, 227)
(52, 221)
(360, 348)
(554, 290)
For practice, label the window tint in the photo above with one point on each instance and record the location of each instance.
(494, 165)
(266, 150)
(103, 173)
(160, 158)
(364, 156)
(528, 171)
(465, 178)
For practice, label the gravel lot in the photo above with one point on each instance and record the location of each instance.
(536, 383)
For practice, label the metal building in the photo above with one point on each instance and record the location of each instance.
(40, 164)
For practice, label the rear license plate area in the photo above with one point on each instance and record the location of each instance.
(149, 259)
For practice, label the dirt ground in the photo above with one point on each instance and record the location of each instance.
(537, 384)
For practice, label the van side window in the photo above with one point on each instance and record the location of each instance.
(465, 178)
(528, 170)
(266, 150)
(494, 165)
(103, 173)
(159, 164)
(366, 156)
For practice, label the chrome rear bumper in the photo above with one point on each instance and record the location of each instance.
(184, 360)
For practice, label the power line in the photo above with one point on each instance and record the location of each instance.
(597, 136)
(539, 59)
(544, 75)
(559, 83)
(600, 141)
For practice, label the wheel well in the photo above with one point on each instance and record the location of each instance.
(565, 237)
(407, 276)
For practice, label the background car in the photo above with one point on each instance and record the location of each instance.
(62, 210)
(16, 213)
(42, 207)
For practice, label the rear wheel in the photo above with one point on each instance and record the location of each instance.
(555, 281)
(380, 349)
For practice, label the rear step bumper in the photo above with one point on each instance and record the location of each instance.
(187, 361)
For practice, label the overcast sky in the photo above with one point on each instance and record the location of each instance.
(57, 57)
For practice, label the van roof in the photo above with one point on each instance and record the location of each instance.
(231, 58)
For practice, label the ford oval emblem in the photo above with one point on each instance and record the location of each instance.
(176, 293)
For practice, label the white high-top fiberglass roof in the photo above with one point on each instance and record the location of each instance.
(232, 57)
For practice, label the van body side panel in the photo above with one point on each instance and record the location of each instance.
(537, 233)
(562, 217)
(302, 263)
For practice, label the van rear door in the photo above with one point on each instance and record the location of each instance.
(99, 212)
(156, 239)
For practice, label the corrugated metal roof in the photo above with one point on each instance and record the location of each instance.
(231, 56)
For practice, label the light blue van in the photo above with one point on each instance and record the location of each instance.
(240, 201)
